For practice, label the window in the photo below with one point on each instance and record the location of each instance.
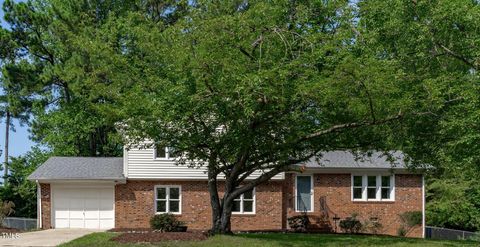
(168, 199)
(164, 153)
(245, 203)
(304, 194)
(357, 187)
(373, 187)
(386, 187)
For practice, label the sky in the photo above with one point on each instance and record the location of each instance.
(20, 142)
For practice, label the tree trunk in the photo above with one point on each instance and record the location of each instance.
(7, 132)
(221, 218)
(221, 213)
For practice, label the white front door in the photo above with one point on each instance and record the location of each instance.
(83, 207)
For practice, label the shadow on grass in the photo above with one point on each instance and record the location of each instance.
(299, 239)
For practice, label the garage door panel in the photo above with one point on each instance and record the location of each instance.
(94, 223)
(75, 202)
(61, 223)
(106, 224)
(92, 203)
(76, 223)
(62, 213)
(76, 214)
(106, 204)
(84, 207)
(92, 215)
(106, 214)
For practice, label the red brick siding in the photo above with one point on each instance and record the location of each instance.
(134, 205)
(46, 206)
(336, 190)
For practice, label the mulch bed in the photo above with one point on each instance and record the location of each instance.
(9, 230)
(146, 235)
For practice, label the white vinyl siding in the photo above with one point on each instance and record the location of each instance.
(142, 164)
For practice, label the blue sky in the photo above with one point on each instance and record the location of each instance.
(20, 142)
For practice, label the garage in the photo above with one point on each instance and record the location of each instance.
(77, 192)
(89, 207)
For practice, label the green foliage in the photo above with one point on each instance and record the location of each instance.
(454, 204)
(411, 218)
(282, 81)
(298, 223)
(402, 231)
(351, 225)
(475, 237)
(165, 223)
(19, 190)
(372, 226)
(6, 209)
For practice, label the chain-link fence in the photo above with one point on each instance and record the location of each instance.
(20, 223)
(448, 234)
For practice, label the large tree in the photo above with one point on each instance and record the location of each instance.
(240, 86)
(437, 44)
(243, 86)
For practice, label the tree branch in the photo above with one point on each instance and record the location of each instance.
(340, 127)
(246, 53)
(458, 56)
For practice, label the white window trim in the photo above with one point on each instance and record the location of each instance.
(253, 206)
(378, 188)
(167, 154)
(311, 193)
(167, 204)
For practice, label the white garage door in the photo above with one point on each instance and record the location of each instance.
(90, 207)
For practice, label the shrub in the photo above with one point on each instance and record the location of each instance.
(351, 224)
(372, 226)
(475, 237)
(166, 223)
(299, 223)
(411, 218)
(6, 208)
(402, 232)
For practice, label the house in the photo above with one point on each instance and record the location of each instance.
(85, 192)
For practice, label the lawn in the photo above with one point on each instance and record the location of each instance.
(274, 240)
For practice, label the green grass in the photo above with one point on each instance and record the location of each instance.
(275, 240)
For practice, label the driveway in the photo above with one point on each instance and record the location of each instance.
(51, 237)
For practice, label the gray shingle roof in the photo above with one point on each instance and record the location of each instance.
(79, 168)
(345, 159)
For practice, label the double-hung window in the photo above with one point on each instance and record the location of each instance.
(168, 199)
(245, 203)
(163, 153)
(373, 187)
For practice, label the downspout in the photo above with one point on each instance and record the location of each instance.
(39, 205)
(423, 205)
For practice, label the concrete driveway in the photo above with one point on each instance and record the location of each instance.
(51, 237)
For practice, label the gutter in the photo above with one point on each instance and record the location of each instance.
(423, 206)
(39, 205)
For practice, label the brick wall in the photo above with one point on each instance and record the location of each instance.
(46, 206)
(335, 191)
(134, 206)
(134, 203)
